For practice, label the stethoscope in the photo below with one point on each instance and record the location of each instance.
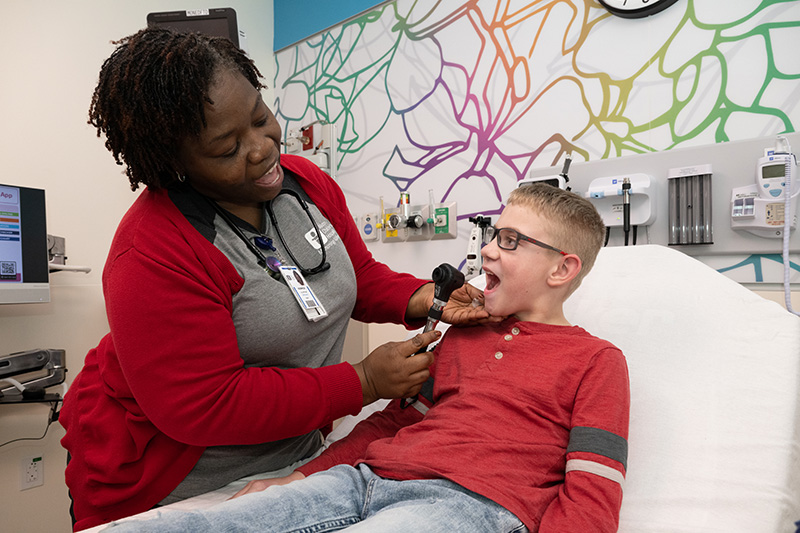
(271, 264)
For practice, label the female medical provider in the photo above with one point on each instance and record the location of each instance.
(228, 288)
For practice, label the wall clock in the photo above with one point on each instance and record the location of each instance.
(634, 9)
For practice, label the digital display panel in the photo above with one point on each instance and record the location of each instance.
(218, 22)
(24, 264)
(773, 171)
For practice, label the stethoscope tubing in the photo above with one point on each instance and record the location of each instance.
(260, 258)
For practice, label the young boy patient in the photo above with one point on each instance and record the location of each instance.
(522, 427)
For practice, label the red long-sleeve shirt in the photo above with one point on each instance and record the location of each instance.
(531, 416)
(168, 380)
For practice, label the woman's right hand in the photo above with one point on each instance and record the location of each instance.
(389, 372)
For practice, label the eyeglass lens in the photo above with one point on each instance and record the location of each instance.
(507, 238)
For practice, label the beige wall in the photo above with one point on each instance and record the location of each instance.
(51, 53)
(780, 297)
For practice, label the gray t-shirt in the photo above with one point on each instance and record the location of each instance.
(271, 328)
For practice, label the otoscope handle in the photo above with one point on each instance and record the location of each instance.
(446, 279)
(626, 205)
(434, 315)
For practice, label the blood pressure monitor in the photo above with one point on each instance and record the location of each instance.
(771, 175)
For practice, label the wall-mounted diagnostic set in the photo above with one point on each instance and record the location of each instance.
(474, 262)
(558, 180)
(625, 202)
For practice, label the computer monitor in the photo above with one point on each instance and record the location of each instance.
(219, 22)
(24, 264)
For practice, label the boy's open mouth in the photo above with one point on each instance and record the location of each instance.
(492, 281)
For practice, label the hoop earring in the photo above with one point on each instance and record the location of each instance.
(181, 177)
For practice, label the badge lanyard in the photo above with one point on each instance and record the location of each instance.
(275, 267)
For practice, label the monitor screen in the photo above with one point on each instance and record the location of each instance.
(219, 22)
(24, 264)
(769, 172)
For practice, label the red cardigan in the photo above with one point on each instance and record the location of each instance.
(531, 416)
(168, 380)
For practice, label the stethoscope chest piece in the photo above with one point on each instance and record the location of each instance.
(274, 264)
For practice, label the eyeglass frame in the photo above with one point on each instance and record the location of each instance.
(493, 232)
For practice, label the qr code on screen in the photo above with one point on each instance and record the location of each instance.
(8, 269)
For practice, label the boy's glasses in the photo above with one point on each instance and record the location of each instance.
(508, 239)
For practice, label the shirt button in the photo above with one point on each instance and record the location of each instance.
(498, 355)
(515, 331)
(508, 337)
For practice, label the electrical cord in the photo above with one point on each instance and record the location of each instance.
(787, 229)
(52, 417)
(783, 148)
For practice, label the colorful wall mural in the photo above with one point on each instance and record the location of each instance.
(465, 97)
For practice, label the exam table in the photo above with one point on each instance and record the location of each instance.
(714, 439)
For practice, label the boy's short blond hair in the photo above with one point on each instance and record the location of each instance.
(572, 222)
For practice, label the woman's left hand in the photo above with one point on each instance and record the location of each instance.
(465, 307)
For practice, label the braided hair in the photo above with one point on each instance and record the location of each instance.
(151, 95)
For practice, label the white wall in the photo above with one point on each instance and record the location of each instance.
(426, 97)
(51, 53)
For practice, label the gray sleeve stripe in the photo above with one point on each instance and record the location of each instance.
(599, 441)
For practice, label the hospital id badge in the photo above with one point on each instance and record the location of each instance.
(303, 293)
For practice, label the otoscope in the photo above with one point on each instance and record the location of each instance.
(446, 279)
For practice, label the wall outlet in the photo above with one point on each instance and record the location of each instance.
(31, 472)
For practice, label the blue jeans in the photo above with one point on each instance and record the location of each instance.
(344, 498)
